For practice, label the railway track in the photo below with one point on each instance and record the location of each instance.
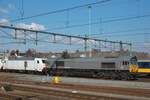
(31, 90)
(70, 91)
(22, 91)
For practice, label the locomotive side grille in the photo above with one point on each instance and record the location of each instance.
(108, 65)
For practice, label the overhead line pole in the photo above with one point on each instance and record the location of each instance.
(90, 30)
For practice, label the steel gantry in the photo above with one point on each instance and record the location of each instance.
(64, 36)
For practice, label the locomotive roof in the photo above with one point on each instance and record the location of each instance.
(144, 60)
(24, 58)
(92, 59)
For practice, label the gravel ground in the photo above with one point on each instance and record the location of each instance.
(86, 81)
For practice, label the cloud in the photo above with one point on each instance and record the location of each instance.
(76, 40)
(33, 26)
(4, 21)
(20, 33)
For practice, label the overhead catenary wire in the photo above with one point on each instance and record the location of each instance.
(58, 11)
(6, 43)
(98, 22)
(95, 22)
(28, 39)
(105, 21)
(5, 32)
(45, 41)
(121, 31)
(124, 35)
(31, 39)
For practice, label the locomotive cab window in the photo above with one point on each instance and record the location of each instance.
(125, 63)
(38, 61)
(133, 60)
(44, 61)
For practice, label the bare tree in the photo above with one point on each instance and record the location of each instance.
(65, 54)
(12, 53)
(30, 53)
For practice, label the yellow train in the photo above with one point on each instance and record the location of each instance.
(140, 66)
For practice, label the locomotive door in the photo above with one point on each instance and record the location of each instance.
(37, 64)
(125, 65)
(25, 65)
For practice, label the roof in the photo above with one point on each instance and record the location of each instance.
(92, 59)
(25, 58)
(144, 60)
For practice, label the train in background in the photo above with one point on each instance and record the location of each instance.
(99, 67)
(144, 66)
(140, 67)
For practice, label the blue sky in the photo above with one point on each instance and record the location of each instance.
(136, 30)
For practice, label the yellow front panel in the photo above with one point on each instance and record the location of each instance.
(143, 70)
(133, 68)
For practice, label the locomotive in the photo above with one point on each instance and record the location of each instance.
(99, 67)
(23, 64)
